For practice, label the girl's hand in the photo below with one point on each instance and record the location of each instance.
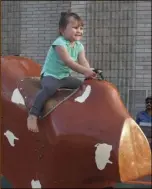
(89, 73)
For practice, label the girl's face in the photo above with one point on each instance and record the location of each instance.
(73, 31)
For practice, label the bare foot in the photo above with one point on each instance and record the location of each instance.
(32, 123)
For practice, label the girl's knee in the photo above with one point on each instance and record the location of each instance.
(49, 91)
(73, 82)
(77, 83)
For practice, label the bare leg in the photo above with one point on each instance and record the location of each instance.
(32, 123)
(49, 86)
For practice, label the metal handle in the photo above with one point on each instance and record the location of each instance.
(99, 72)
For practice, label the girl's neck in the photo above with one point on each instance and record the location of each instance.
(71, 42)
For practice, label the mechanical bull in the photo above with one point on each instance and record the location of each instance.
(86, 139)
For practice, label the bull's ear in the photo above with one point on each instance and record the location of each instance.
(96, 145)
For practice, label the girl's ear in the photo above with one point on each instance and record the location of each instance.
(61, 31)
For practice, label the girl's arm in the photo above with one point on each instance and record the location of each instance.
(64, 56)
(82, 59)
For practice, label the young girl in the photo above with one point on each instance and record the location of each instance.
(65, 54)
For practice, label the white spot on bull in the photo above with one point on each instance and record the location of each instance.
(102, 155)
(11, 137)
(85, 95)
(35, 184)
(17, 97)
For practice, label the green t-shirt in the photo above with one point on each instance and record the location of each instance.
(53, 65)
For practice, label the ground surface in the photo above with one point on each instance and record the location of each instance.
(6, 184)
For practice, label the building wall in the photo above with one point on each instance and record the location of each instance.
(142, 68)
(117, 39)
(10, 31)
(39, 26)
